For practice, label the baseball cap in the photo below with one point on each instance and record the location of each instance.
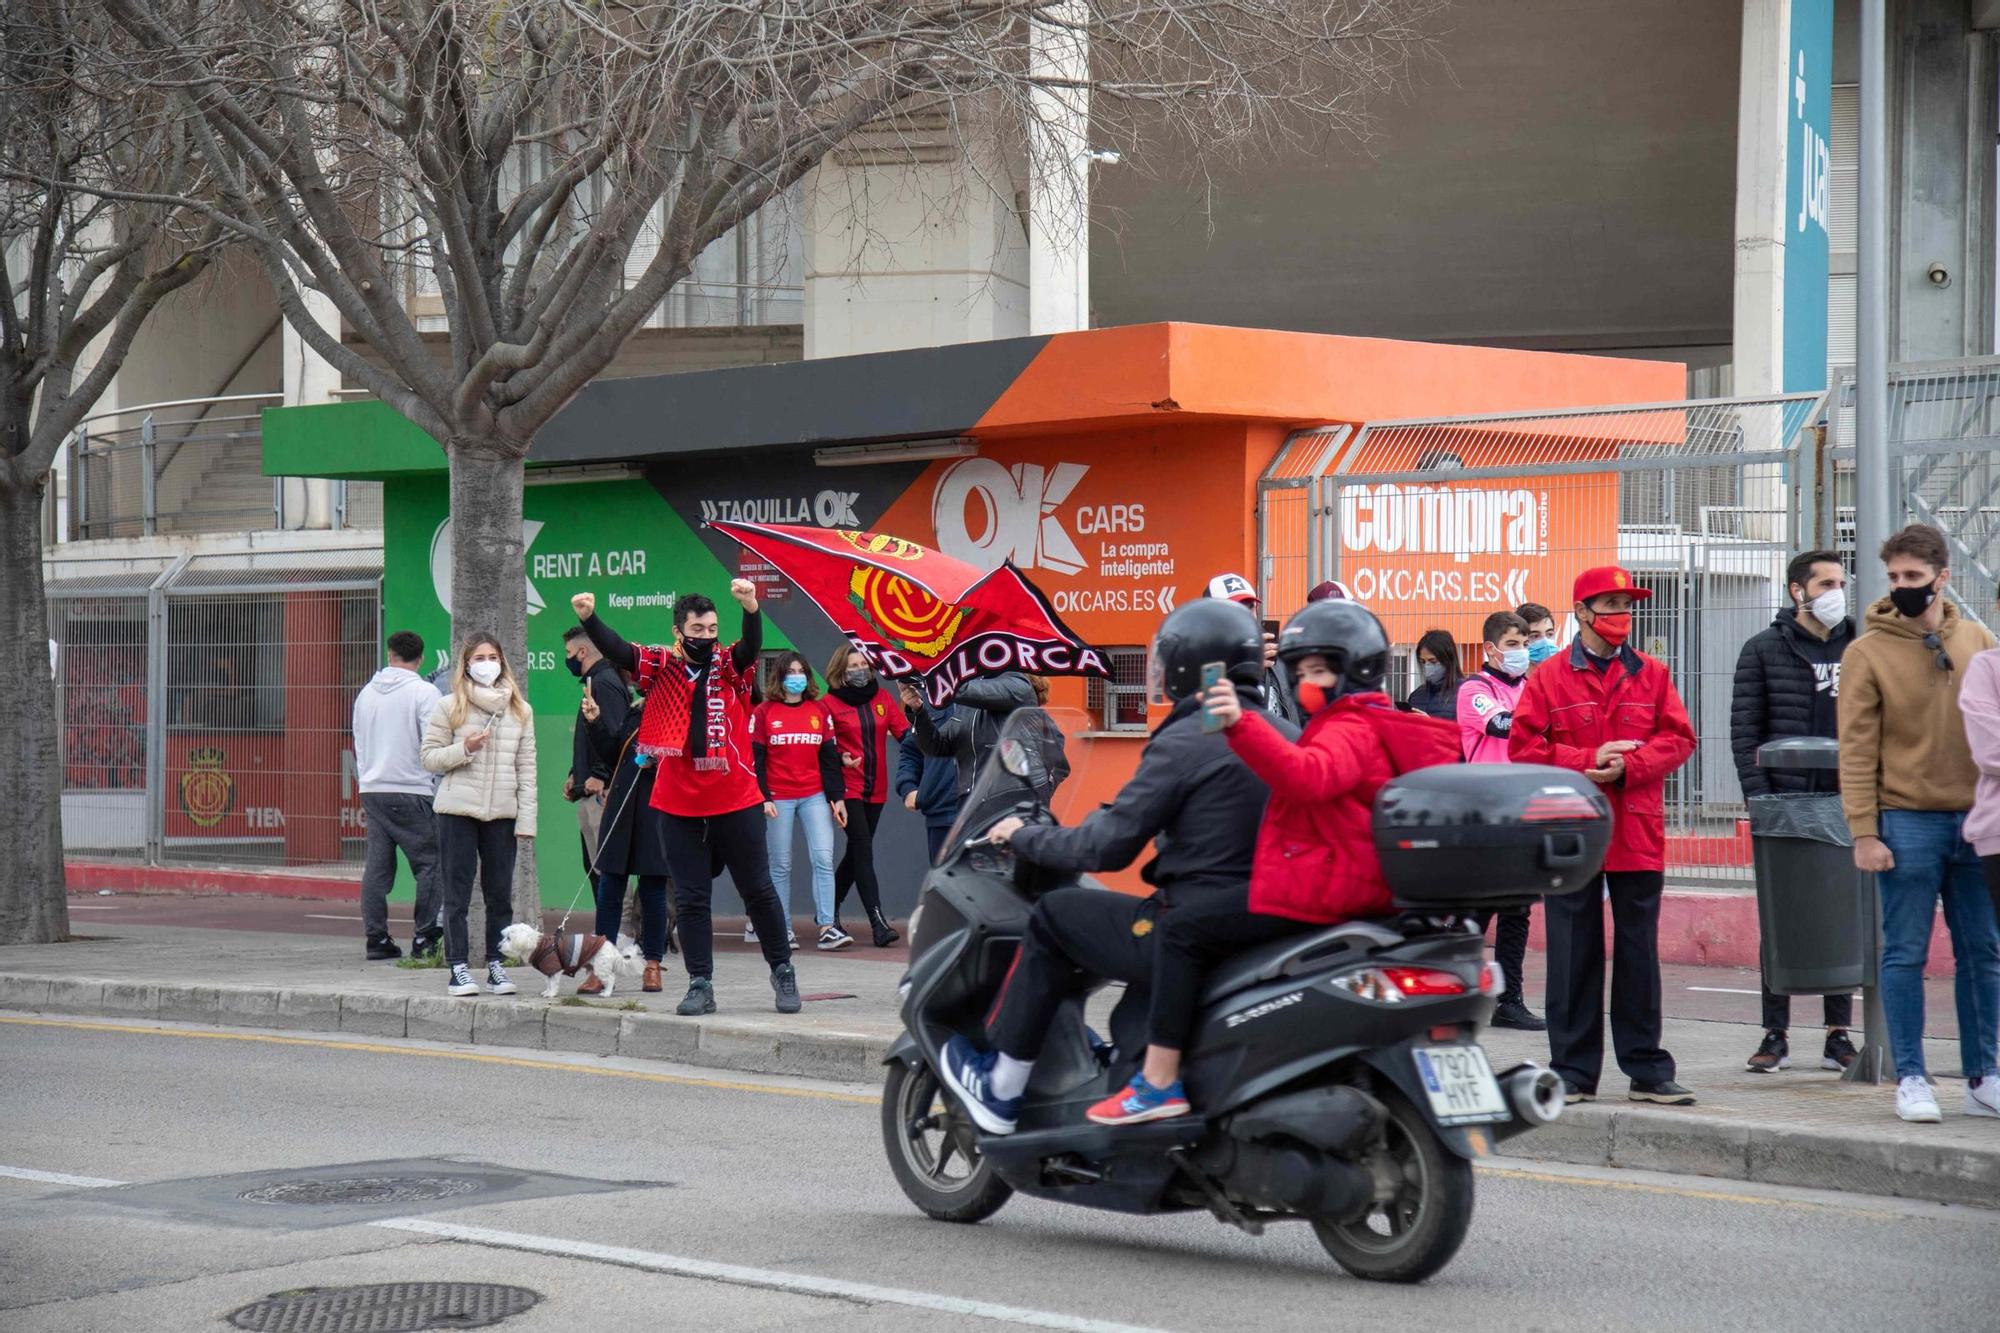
(1607, 578)
(1332, 589)
(1232, 588)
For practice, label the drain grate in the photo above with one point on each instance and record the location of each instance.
(385, 1307)
(362, 1190)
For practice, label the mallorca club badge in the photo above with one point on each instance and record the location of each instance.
(206, 791)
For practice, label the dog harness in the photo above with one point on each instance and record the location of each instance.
(567, 954)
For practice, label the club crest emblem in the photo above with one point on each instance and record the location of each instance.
(206, 791)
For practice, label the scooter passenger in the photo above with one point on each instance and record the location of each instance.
(1315, 862)
(1193, 798)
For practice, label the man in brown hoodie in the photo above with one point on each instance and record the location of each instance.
(1906, 783)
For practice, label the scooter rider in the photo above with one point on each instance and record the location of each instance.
(1194, 796)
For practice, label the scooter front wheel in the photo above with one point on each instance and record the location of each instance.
(932, 1150)
(1415, 1233)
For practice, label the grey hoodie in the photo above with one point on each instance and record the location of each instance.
(389, 717)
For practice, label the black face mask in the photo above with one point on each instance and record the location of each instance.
(575, 665)
(698, 652)
(1913, 602)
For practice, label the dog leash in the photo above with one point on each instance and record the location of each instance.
(597, 852)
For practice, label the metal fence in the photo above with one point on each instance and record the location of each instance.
(1436, 524)
(205, 705)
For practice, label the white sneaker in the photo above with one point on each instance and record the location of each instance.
(496, 980)
(749, 934)
(1916, 1103)
(1983, 1098)
(461, 982)
(833, 937)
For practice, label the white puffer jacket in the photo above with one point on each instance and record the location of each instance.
(499, 781)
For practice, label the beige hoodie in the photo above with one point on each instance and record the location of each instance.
(1902, 738)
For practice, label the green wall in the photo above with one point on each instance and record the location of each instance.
(618, 539)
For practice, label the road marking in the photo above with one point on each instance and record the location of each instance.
(58, 1178)
(473, 1057)
(321, 916)
(765, 1278)
(95, 907)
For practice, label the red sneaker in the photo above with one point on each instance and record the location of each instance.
(1140, 1102)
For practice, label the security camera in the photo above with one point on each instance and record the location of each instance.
(1939, 275)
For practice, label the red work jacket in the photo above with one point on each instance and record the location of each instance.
(1570, 707)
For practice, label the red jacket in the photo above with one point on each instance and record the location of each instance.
(1316, 856)
(863, 727)
(1570, 708)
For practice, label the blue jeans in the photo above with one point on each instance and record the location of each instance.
(1933, 860)
(817, 817)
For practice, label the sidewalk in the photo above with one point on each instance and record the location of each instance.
(1803, 1127)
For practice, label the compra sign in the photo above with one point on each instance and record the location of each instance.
(1446, 554)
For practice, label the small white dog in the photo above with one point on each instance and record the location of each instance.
(560, 955)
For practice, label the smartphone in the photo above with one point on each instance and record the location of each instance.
(1211, 675)
(1270, 629)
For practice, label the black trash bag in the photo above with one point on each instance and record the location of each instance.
(1814, 816)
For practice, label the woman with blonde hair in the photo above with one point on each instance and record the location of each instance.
(481, 738)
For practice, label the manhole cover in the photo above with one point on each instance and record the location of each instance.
(385, 1307)
(362, 1190)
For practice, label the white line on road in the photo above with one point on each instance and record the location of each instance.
(768, 1279)
(1726, 990)
(96, 907)
(58, 1178)
(321, 916)
(735, 1274)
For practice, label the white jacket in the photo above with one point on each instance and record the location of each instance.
(499, 781)
(389, 717)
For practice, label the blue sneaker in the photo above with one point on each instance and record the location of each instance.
(968, 1072)
(1140, 1102)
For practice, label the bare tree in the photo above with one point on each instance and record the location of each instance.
(506, 155)
(81, 275)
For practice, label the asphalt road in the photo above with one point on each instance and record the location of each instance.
(785, 1181)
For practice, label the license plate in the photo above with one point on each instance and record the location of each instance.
(1460, 1084)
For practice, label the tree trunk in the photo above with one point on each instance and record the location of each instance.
(33, 909)
(489, 593)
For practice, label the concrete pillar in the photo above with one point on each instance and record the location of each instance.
(1059, 173)
(1783, 164)
(315, 723)
(309, 379)
(1942, 126)
(914, 238)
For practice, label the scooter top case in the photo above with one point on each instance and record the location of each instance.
(1475, 837)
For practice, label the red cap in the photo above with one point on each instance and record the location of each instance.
(1607, 578)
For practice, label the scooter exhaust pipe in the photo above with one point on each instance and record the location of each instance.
(1534, 1094)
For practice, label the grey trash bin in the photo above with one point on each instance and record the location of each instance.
(1815, 910)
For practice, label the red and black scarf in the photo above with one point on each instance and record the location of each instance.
(667, 726)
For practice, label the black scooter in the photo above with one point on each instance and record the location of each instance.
(1337, 1075)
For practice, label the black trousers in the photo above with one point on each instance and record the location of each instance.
(1510, 947)
(1778, 1011)
(694, 845)
(935, 835)
(1199, 931)
(654, 919)
(486, 847)
(857, 866)
(1576, 979)
(1076, 936)
(1991, 864)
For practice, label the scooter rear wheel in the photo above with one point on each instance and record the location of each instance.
(1414, 1235)
(932, 1150)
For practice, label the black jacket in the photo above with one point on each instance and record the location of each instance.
(1777, 694)
(1192, 796)
(934, 780)
(588, 760)
(1279, 697)
(971, 729)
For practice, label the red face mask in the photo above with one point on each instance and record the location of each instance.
(1614, 627)
(1313, 696)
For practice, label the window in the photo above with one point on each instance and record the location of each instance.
(1119, 704)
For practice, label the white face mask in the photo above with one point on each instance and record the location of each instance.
(485, 671)
(1830, 607)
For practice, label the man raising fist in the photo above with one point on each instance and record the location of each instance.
(696, 728)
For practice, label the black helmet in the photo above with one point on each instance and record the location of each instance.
(1347, 635)
(1202, 632)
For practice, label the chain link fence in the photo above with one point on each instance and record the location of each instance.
(1436, 524)
(205, 705)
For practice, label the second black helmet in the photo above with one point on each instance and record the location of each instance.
(1347, 635)
(1202, 632)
